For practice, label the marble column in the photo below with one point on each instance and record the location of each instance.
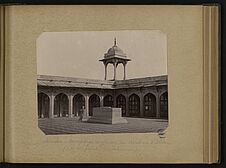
(127, 105)
(158, 106)
(101, 101)
(141, 105)
(105, 70)
(51, 106)
(114, 70)
(70, 98)
(114, 101)
(124, 66)
(87, 105)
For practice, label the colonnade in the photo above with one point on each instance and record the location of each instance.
(133, 105)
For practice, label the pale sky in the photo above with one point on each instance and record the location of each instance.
(77, 54)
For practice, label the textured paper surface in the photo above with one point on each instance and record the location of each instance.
(2, 60)
(211, 85)
(184, 138)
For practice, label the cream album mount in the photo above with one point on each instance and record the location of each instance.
(109, 84)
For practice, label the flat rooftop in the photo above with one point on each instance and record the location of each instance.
(59, 81)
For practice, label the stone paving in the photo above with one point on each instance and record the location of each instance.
(74, 126)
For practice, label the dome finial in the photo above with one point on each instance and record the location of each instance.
(115, 41)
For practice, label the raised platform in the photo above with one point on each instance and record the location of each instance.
(107, 115)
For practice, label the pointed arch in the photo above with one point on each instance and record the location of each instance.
(43, 105)
(134, 105)
(110, 71)
(121, 103)
(164, 105)
(78, 104)
(94, 101)
(108, 101)
(119, 71)
(61, 105)
(149, 105)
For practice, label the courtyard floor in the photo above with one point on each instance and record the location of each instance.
(74, 126)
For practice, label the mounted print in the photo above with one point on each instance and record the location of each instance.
(102, 82)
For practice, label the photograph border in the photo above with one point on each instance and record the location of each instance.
(222, 69)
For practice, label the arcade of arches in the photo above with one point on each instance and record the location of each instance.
(68, 97)
(146, 105)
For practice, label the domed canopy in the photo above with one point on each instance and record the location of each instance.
(115, 56)
(114, 51)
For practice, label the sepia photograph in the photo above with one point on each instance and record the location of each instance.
(91, 82)
(128, 84)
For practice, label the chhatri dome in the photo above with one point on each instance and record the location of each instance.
(114, 51)
(115, 56)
